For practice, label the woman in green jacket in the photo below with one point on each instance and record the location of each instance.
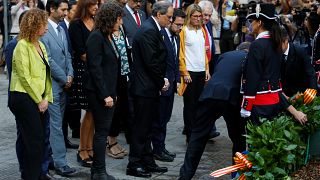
(31, 89)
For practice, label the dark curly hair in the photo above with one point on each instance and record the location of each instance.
(107, 17)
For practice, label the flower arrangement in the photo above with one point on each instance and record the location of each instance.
(278, 147)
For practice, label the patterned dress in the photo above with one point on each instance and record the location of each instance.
(79, 34)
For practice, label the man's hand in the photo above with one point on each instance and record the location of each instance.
(166, 85)
(109, 102)
(43, 106)
(69, 82)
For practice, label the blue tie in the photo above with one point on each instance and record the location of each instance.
(173, 46)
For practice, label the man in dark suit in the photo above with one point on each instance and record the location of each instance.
(220, 97)
(159, 129)
(149, 69)
(297, 73)
(133, 18)
(71, 117)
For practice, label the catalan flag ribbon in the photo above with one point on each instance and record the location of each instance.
(309, 95)
(241, 163)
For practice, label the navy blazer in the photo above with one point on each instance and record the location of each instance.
(226, 79)
(172, 70)
(65, 28)
(213, 48)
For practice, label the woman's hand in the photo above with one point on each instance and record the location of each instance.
(109, 102)
(207, 76)
(187, 79)
(43, 106)
(301, 117)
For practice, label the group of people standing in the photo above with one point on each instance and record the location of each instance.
(123, 69)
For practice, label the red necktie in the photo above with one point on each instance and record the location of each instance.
(207, 43)
(137, 18)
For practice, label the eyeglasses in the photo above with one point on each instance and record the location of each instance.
(178, 25)
(196, 16)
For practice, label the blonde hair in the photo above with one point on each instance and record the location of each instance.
(189, 12)
(32, 21)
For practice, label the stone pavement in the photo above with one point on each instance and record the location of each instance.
(217, 153)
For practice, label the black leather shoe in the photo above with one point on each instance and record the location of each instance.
(65, 171)
(102, 176)
(70, 145)
(169, 153)
(214, 134)
(46, 177)
(138, 172)
(163, 157)
(156, 168)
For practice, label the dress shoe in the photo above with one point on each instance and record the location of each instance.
(138, 172)
(65, 171)
(102, 176)
(214, 134)
(46, 177)
(163, 157)
(169, 153)
(155, 168)
(70, 145)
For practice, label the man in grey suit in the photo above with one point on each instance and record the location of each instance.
(62, 74)
(133, 18)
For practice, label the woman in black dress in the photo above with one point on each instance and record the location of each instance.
(103, 66)
(79, 31)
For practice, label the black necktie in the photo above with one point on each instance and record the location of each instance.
(173, 46)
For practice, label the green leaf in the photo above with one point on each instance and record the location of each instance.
(269, 176)
(259, 158)
(290, 147)
(279, 171)
(290, 158)
(287, 133)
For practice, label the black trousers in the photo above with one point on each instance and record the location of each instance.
(190, 99)
(121, 112)
(32, 128)
(102, 117)
(146, 111)
(72, 118)
(159, 127)
(207, 113)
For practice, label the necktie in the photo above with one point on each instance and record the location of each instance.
(137, 18)
(59, 32)
(207, 44)
(173, 47)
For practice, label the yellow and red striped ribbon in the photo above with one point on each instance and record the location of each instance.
(241, 163)
(309, 95)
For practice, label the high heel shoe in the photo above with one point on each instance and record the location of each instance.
(84, 162)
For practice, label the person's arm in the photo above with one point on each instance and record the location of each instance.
(15, 9)
(149, 43)
(298, 115)
(21, 62)
(77, 41)
(57, 72)
(95, 53)
(182, 57)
